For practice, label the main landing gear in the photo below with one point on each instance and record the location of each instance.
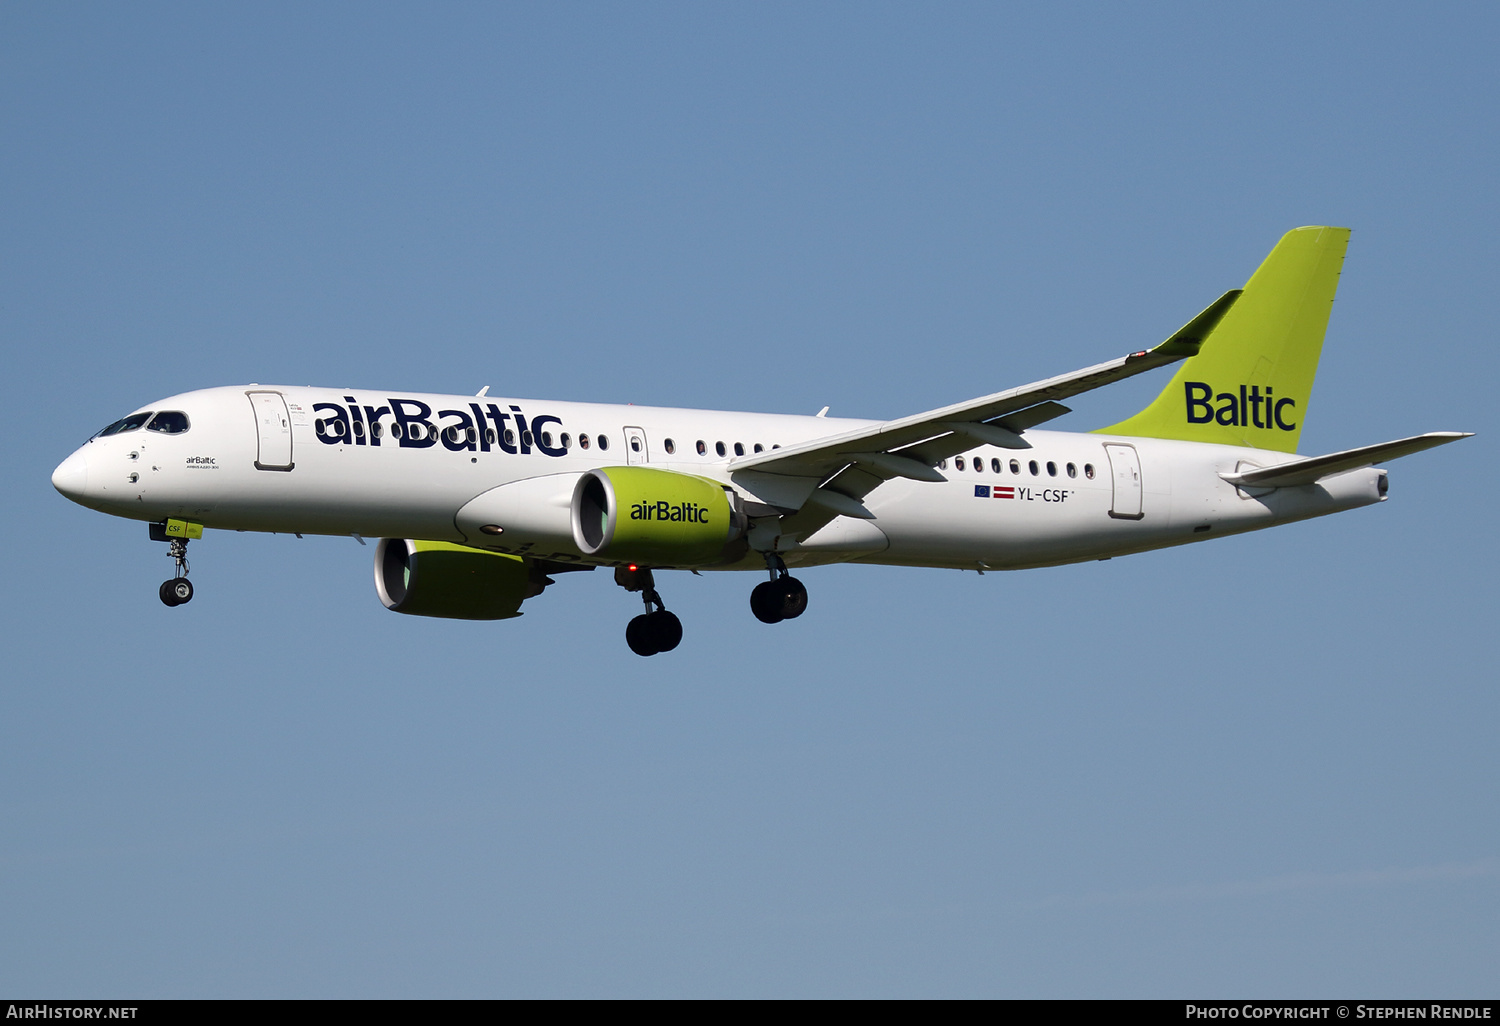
(783, 597)
(179, 590)
(655, 630)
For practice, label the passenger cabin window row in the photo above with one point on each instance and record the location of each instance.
(997, 466)
(723, 450)
(336, 429)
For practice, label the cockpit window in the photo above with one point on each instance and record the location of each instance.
(169, 422)
(130, 423)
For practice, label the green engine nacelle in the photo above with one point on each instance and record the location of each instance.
(429, 578)
(655, 518)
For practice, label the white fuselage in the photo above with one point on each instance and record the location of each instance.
(1065, 499)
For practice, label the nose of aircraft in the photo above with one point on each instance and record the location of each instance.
(72, 476)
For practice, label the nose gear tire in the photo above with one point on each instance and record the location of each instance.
(176, 592)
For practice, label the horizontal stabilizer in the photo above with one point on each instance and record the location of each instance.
(1302, 472)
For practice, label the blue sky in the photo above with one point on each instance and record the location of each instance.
(1263, 765)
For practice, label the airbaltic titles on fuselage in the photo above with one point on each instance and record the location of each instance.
(413, 425)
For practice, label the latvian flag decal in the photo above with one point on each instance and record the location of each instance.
(998, 492)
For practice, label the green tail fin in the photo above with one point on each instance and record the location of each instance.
(1251, 381)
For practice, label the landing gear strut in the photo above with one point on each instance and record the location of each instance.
(179, 590)
(655, 630)
(783, 597)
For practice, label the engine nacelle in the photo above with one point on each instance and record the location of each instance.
(428, 578)
(657, 518)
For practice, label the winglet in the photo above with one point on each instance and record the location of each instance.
(1188, 339)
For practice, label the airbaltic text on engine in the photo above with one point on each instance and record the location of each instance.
(683, 512)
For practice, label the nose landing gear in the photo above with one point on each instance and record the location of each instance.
(655, 630)
(179, 590)
(783, 597)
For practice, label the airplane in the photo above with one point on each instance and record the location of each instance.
(479, 502)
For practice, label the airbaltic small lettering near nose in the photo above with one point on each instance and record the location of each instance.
(1242, 410)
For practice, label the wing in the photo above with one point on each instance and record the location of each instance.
(849, 466)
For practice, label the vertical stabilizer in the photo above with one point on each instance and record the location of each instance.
(1251, 381)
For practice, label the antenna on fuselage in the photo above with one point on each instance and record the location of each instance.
(482, 392)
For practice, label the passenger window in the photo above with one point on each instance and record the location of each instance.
(942, 464)
(170, 422)
(670, 446)
(583, 441)
(719, 448)
(566, 440)
(702, 448)
(379, 432)
(489, 434)
(759, 447)
(996, 466)
(739, 448)
(1088, 471)
(510, 436)
(359, 429)
(1072, 470)
(1051, 469)
(1015, 466)
(1033, 468)
(603, 442)
(635, 445)
(958, 463)
(979, 464)
(526, 438)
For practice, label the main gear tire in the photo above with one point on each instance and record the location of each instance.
(793, 597)
(664, 630)
(766, 602)
(640, 635)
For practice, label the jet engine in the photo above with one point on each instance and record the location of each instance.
(429, 578)
(656, 518)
